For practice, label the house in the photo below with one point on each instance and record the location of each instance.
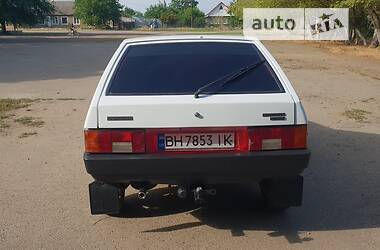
(127, 23)
(63, 15)
(219, 15)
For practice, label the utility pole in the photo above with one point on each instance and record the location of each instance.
(192, 6)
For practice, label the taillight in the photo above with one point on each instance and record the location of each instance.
(246, 139)
(274, 138)
(114, 141)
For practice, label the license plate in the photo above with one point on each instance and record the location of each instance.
(196, 141)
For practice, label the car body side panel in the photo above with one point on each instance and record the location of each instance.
(92, 114)
(300, 115)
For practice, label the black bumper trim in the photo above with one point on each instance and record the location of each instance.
(190, 168)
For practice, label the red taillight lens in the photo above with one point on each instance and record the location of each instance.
(246, 139)
(300, 137)
(274, 138)
(97, 141)
(114, 141)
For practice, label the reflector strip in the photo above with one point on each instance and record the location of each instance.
(279, 137)
(153, 140)
(122, 147)
(271, 144)
(114, 141)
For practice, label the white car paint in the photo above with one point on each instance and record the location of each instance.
(167, 111)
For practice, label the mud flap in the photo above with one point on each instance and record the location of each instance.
(283, 192)
(105, 198)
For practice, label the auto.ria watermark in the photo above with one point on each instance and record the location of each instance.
(297, 23)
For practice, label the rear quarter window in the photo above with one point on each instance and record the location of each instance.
(182, 68)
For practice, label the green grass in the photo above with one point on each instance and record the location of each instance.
(30, 121)
(3, 125)
(7, 105)
(5, 116)
(196, 31)
(358, 115)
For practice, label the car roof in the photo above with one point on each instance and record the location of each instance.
(188, 37)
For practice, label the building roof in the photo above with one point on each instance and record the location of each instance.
(195, 38)
(220, 10)
(127, 19)
(63, 8)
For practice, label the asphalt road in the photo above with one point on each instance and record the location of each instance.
(43, 183)
(26, 59)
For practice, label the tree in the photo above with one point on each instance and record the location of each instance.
(155, 10)
(237, 6)
(169, 17)
(375, 17)
(364, 14)
(371, 9)
(162, 11)
(179, 12)
(98, 12)
(128, 12)
(186, 7)
(183, 4)
(23, 11)
(191, 17)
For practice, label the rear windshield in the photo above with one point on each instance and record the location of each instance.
(182, 68)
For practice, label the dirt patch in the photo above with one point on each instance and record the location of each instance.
(369, 75)
(70, 99)
(27, 134)
(30, 121)
(8, 105)
(357, 114)
(368, 100)
(342, 48)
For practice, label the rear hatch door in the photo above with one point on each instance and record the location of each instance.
(186, 111)
(153, 86)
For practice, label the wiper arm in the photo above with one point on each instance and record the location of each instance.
(229, 77)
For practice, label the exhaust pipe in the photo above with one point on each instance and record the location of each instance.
(182, 192)
(199, 195)
(211, 192)
(142, 194)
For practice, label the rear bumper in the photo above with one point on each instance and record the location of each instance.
(191, 168)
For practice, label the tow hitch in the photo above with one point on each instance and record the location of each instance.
(201, 195)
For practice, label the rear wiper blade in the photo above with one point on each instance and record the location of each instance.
(229, 77)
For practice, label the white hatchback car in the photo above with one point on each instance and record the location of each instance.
(194, 111)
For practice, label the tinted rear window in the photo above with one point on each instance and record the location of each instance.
(182, 68)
